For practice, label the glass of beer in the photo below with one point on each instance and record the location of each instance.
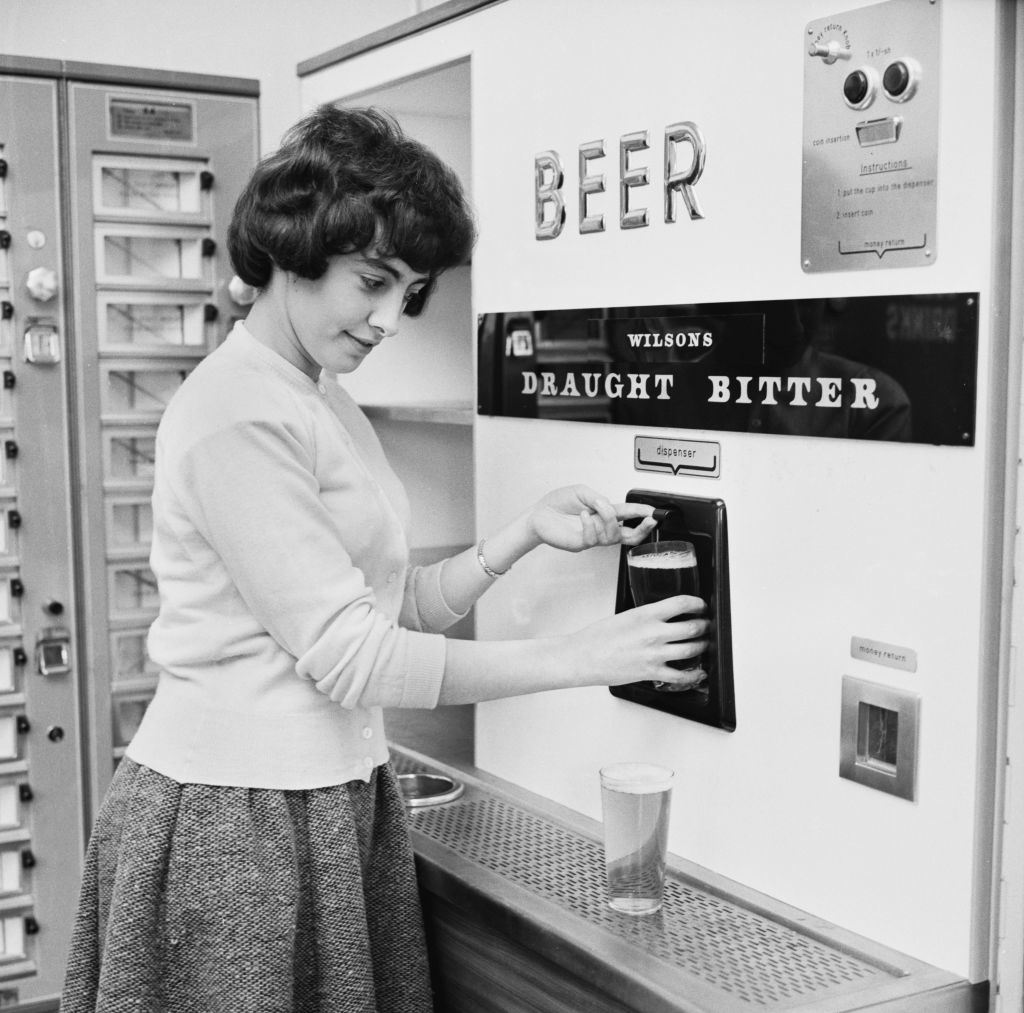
(662, 570)
(635, 799)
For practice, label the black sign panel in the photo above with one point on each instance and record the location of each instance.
(898, 368)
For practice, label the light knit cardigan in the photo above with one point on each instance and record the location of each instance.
(288, 613)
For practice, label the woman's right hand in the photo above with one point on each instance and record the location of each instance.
(638, 644)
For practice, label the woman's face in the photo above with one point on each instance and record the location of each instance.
(338, 319)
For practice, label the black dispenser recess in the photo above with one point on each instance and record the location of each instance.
(702, 522)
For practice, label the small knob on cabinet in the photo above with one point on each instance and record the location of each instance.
(42, 283)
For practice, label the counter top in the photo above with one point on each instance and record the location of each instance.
(513, 880)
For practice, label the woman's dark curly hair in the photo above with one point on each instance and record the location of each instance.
(346, 180)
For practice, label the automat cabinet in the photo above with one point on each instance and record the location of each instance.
(116, 187)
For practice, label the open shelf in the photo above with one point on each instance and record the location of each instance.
(455, 413)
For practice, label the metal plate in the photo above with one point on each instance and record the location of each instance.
(748, 956)
(870, 166)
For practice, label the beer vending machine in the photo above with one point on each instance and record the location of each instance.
(116, 188)
(760, 266)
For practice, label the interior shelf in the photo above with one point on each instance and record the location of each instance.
(457, 413)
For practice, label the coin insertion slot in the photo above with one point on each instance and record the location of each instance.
(878, 737)
(881, 131)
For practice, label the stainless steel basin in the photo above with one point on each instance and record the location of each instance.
(423, 789)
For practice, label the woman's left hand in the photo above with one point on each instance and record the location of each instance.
(576, 518)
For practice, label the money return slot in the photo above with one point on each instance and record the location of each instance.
(701, 522)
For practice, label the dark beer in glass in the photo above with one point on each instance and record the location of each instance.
(660, 570)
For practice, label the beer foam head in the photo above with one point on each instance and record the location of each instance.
(669, 559)
(637, 778)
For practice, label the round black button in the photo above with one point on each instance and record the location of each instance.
(855, 87)
(896, 78)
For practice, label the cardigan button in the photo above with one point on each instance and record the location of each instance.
(367, 732)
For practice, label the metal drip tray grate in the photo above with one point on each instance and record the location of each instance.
(740, 951)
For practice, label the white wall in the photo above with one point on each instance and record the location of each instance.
(238, 38)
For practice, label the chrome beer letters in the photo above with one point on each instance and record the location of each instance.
(679, 177)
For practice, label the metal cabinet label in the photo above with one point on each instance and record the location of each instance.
(130, 119)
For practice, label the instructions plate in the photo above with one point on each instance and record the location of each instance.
(870, 144)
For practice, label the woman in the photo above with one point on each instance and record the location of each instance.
(251, 854)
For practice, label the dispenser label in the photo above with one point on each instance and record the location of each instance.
(677, 457)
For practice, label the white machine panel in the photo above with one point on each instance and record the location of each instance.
(834, 544)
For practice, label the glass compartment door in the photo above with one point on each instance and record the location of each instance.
(154, 178)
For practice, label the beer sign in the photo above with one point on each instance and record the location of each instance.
(897, 368)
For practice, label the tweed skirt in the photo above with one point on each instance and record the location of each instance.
(205, 899)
